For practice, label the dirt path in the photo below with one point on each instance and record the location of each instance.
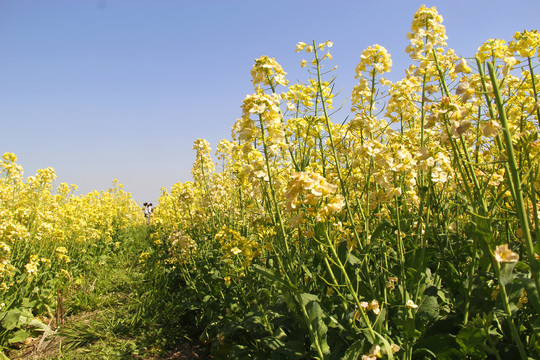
(104, 318)
(54, 344)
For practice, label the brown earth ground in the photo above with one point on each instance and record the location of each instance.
(37, 349)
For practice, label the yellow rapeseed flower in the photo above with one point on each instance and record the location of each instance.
(504, 254)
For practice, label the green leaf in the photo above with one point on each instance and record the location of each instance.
(428, 310)
(38, 325)
(471, 340)
(380, 320)
(271, 275)
(11, 319)
(306, 298)
(18, 336)
(270, 342)
(353, 260)
(443, 345)
(280, 334)
(316, 316)
(386, 345)
(507, 273)
(27, 303)
(419, 351)
(3, 356)
(532, 293)
(379, 230)
(354, 352)
(536, 328)
(292, 350)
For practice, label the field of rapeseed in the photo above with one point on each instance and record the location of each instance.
(50, 243)
(408, 230)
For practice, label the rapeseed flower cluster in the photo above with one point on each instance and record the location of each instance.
(311, 192)
(234, 244)
(183, 243)
(267, 71)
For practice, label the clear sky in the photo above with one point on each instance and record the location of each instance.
(120, 89)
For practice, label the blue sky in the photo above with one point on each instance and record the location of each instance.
(120, 89)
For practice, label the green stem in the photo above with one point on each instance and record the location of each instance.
(509, 317)
(492, 116)
(533, 81)
(518, 189)
(334, 153)
(293, 158)
(288, 265)
(349, 284)
(272, 189)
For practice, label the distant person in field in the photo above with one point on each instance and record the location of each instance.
(145, 209)
(148, 209)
